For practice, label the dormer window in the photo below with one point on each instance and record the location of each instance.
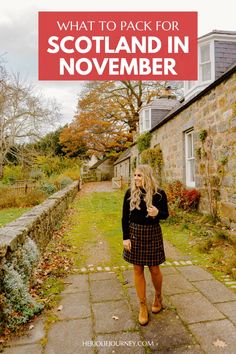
(145, 120)
(205, 62)
(190, 84)
(205, 70)
(216, 54)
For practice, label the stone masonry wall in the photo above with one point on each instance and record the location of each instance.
(217, 115)
(21, 243)
(37, 224)
(214, 112)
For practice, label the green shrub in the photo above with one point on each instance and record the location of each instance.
(65, 182)
(48, 188)
(36, 174)
(18, 304)
(71, 172)
(56, 165)
(12, 173)
(68, 176)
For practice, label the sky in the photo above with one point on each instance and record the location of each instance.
(19, 35)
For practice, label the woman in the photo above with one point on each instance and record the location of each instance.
(144, 205)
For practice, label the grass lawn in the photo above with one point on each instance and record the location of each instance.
(99, 213)
(9, 214)
(208, 244)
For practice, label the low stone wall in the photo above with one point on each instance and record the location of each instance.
(21, 243)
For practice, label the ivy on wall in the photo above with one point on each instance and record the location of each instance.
(144, 141)
(133, 163)
(208, 164)
(154, 158)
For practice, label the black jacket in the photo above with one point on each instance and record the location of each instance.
(136, 216)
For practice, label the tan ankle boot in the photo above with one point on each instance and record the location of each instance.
(157, 303)
(143, 313)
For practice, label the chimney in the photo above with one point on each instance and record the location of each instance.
(166, 92)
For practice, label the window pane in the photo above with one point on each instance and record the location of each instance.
(189, 159)
(146, 123)
(191, 170)
(190, 145)
(205, 53)
(206, 72)
(191, 84)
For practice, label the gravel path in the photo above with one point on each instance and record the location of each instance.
(105, 186)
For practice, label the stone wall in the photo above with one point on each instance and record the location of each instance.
(215, 112)
(217, 115)
(169, 137)
(21, 243)
(105, 170)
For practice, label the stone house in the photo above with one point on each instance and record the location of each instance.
(151, 114)
(122, 166)
(198, 137)
(102, 170)
(87, 163)
(216, 53)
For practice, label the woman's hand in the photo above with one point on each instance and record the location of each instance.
(127, 245)
(152, 211)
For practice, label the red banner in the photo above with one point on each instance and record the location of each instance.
(117, 45)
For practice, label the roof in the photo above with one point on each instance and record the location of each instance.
(187, 103)
(98, 163)
(126, 155)
(218, 32)
(162, 102)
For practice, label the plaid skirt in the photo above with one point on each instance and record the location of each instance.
(146, 245)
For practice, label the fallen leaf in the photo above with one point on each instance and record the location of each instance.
(219, 343)
(60, 308)
(31, 327)
(115, 317)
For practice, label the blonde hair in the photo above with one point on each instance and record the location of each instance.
(149, 185)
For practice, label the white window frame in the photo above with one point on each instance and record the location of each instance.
(211, 60)
(188, 159)
(203, 64)
(143, 126)
(193, 86)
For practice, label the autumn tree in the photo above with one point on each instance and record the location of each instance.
(98, 124)
(108, 113)
(129, 96)
(23, 116)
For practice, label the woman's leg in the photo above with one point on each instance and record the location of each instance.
(157, 283)
(140, 285)
(140, 282)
